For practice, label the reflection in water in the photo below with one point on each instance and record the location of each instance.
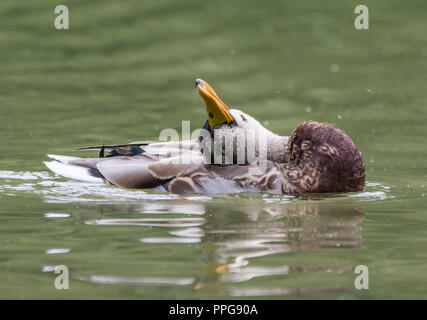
(151, 222)
(56, 215)
(170, 240)
(236, 237)
(138, 280)
(184, 208)
(280, 228)
(240, 237)
(57, 250)
(265, 291)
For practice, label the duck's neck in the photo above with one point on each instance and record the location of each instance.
(277, 147)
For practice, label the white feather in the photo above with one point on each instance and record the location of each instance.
(63, 159)
(71, 171)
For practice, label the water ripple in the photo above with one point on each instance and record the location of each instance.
(55, 190)
(169, 281)
(151, 222)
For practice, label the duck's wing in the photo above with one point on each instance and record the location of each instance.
(164, 149)
(172, 148)
(136, 172)
(186, 173)
(143, 171)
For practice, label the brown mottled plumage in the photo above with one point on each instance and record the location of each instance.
(323, 159)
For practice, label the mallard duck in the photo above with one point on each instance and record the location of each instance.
(315, 158)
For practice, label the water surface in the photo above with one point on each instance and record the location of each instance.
(125, 71)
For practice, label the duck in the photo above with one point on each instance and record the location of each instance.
(314, 158)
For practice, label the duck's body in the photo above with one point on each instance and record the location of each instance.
(234, 153)
(321, 159)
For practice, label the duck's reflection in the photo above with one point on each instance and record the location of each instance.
(277, 228)
(236, 238)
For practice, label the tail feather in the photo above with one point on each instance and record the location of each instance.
(62, 167)
(63, 159)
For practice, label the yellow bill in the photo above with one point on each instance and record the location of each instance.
(216, 109)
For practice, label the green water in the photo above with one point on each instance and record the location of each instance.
(125, 70)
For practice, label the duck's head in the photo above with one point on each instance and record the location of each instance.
(233, 123)
(220, 115)
(323, 158)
